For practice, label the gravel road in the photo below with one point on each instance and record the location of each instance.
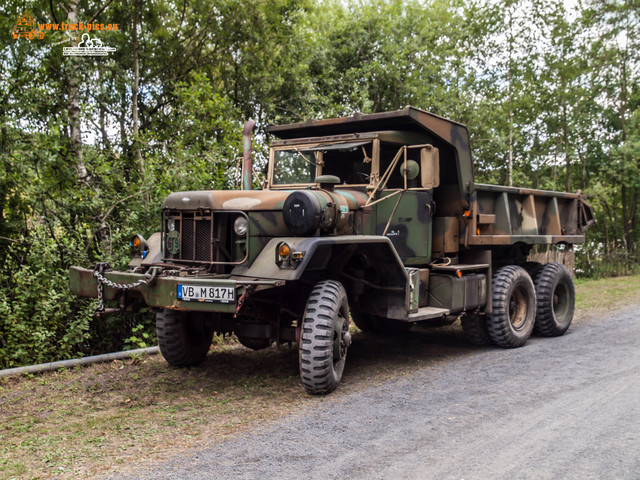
(559, 408)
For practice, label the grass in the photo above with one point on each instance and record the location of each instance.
(93, 420)
(607, 293)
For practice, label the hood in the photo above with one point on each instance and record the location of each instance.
(227, 200)
(246, 200)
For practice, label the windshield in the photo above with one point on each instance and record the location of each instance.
(350, 162)
(293, 166)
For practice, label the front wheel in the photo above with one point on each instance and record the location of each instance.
(184, 338)
(325, 337)
(514, 307)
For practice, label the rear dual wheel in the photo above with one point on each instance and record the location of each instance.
(556, 300)
(514, 307)
(521, 304)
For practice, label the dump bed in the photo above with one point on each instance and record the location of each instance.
(508, 215)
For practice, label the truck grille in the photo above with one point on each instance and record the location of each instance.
(204, 237)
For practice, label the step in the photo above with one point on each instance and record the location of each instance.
(427, 313)
(462, 267)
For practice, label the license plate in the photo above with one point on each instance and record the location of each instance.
(198, 293)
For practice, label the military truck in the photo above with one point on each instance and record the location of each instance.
(371, 218)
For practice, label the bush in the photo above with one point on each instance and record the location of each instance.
(39, 319)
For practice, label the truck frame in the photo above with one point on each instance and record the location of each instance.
(372, 218)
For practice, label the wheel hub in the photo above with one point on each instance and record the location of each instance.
(341, 338)
(518, 308)
(560, 301)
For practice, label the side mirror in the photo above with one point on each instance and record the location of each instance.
(430, 166)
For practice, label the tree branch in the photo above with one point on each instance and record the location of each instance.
(12, 240)
(53, 13)
(95, 15)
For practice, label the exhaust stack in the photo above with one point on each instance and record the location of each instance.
(247, 167)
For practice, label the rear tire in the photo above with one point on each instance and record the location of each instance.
(475, 329)
(556, 300)
(514, 307)
(184, 338)
(325, 337)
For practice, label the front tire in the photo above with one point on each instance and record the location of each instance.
(325, 337)
(514, 307)
(184, 338)
(556, 300)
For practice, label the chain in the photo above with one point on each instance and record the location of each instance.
(102, 281)
(120, 286)
(100, 307)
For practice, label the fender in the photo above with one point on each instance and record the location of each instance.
(264, 266)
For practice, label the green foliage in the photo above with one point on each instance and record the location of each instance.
(139, 338)
(39, 320)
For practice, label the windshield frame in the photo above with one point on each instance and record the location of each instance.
(272, 164)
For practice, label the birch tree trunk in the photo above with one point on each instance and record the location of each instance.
(134, 90)
(73, 102)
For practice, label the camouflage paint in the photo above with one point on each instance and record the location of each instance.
(247, 200)
(409, 228)
(508, 215)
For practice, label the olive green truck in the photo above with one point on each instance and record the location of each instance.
(371, 218)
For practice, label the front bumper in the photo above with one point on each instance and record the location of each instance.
(162, 292)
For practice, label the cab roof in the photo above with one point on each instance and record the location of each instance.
(407, 119)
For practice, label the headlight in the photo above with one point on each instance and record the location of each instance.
(240, 226)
